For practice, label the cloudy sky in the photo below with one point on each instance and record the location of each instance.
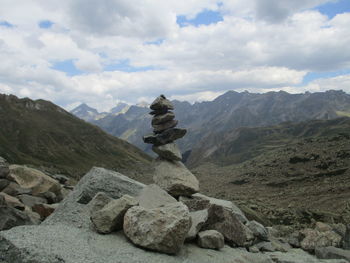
(104, 51)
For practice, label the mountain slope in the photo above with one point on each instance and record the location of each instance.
(290, 173)
(241, 144)
(43, 134)
(130, 126)
(230, 111)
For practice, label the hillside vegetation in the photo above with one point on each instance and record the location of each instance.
(40, 133)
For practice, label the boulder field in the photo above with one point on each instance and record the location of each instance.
(28, 195)
(69, 234)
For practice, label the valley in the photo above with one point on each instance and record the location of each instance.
(289, 181)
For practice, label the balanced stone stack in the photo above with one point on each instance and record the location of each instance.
(170, 173)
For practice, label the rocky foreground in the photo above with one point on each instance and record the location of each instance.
(27, 195)
(71, 235)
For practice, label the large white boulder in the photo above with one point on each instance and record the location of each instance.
(162, 229)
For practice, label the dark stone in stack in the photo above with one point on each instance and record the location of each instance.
(165, 137)
(163, 123)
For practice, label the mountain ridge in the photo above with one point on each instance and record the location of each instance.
(228, 112)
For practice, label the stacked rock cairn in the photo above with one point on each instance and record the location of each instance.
(170, 173)
(164, 133)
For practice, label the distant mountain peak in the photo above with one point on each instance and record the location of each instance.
(143, 104)
(121, 107)
(85, 112)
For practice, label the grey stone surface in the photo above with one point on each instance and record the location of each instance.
(165, 137)
(98, 202)
(35, 180)
(44, 210)
(152, 196)
(61, 178)
(311, 239)
(162, 229)
(346, 239)
(35, 217)
(52, 197)
(158, 128)
(273, 245)
(73, 209)
(210, 239)
(198, 219)
(68, 244)
(11, 217)
(168, 151)
(195, 204)
(322, 227)
(159, 112)
(340, 229)
(15, 189)
(258, 230)
(12, 201)
(2, 201)
(253, 249)
(161, 118)
(3, 183)
(110, 217)
(175, 178)
(161, 102)
(298, 256)
(30, 200)
(4, 168)
(110, 182)
(228, 224)
(332, 253)
(227, 205)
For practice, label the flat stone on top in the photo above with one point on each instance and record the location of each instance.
(161, 102)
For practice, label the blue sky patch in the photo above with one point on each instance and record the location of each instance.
(310, 76)
(331, 9)
(155, 42)
(45, 24)
(5, 24)
(102, 55)
(67, 66)
(124, 65)
(206, 17)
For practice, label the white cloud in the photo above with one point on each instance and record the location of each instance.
(269, 10)
(340, 82)
(260, 45)
(197, 97)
